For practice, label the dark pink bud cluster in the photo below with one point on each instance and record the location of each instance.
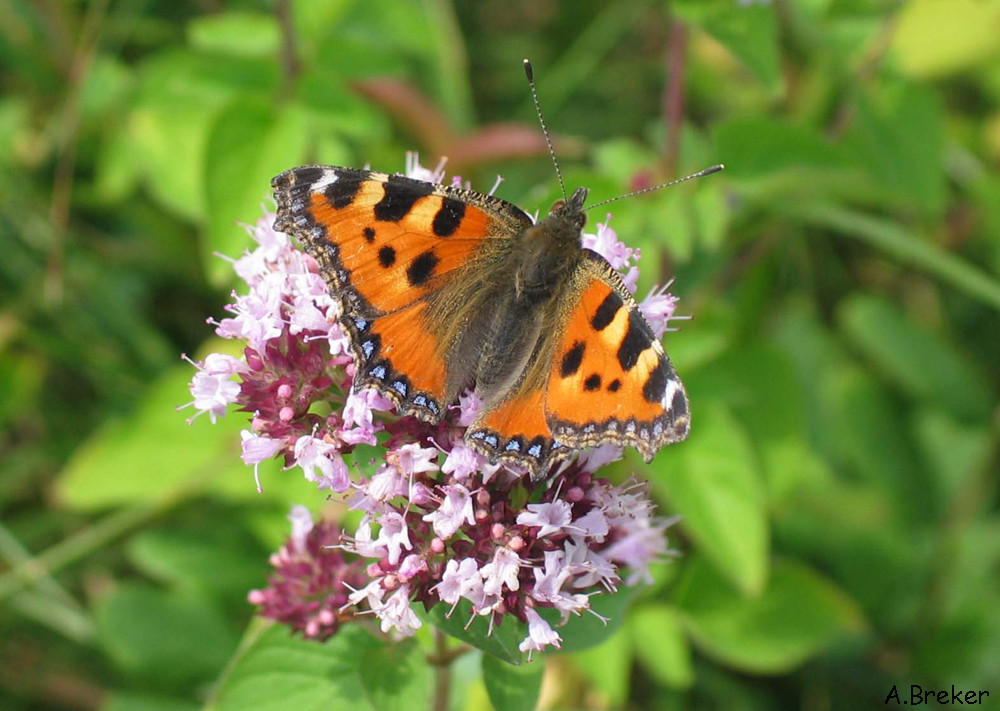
(311, 581)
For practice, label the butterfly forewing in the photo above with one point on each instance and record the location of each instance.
(385, 244)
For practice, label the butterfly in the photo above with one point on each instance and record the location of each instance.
(445, 289)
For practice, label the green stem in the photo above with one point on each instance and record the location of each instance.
(578, 63)
(453, 64)
(442, 671)
(902, 244)
(16, 554)
(53, 613)
(80, 544)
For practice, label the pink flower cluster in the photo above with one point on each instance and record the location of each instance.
(439, 523)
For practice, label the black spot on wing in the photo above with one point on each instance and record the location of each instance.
(342, 191)
(593, 382)
(369, 235)
(448, 217)
(606, 311)
(400, 194)
(387, 256)
(614, 385)
(572, 359)
(421, 269)
(678, 405)
(656, 383)
(309, 174)
(637, 338)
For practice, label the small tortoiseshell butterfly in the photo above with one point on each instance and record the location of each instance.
(445, 289)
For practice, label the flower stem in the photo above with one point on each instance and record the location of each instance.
(442, 671)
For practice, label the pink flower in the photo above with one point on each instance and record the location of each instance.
(459, 580)
(606, 243)
(455, 510)
(658, 308)
(258, 448)
(414, 459)
(540, 634)
(396, 614)
(469, 407)
(461, 462)
(322, 463)
(302, 524)
(394, 536)
(502, 571)
(212, 387)
(549, 518)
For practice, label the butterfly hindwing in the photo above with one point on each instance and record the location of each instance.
(598, 375)
(386, 243)
(610, 380)
(514, 430)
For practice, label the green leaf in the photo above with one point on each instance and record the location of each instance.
(956, 452)
(223, 561)
(589, 630)
(898, 136)
(117, 168)
(901, 244)
(512, 688)
(277, 671)
(250, 143)
(608, 668)
(817, 357)
(760, 384)
(693, 348)
(502, 643)
(872, 437)
(148, 632)
(797, 616)
(750, 32)
(168, 138)
(21, 379)
(756, 147)
(396, 676)
(154, 452)
(242, 34)
(713, 482)
(712, 214)
(131, 701)
(661, 645)
(919, 361)
(934, 38)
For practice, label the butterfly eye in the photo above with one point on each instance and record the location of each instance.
(558, 207)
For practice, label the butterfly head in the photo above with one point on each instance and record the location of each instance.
(572, 209)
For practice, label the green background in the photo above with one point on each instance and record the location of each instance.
(840, 529)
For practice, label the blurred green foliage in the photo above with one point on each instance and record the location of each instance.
(840, 529)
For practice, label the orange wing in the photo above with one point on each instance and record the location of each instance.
(384, 244)
(515, 431)
(609, 379)
(600, 377)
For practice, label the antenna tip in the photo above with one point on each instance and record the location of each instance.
(713, 169)
(527, 70)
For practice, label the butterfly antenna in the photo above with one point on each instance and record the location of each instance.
(545, 131)
(699, 174)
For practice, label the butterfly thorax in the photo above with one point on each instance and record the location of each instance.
(549, 251)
